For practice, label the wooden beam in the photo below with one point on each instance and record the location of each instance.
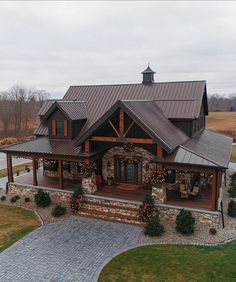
(117, 139)
(104, 139)
(9, 168)
(127, 131)
(112, 125)
(87, 146)
(121, 123)
(35, 180)
(139, 140)
(60, 174)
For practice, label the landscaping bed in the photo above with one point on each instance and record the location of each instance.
(173, 263)
(15, 223)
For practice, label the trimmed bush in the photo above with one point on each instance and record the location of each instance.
(154, 227)
(212, 231)
(232, 190)
(42, 199)
(232, 208)
(185, 222)
(3, 198)
(13, 199)
(17, 197)
(58, 210)
(27, 199)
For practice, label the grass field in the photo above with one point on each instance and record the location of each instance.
(20, 167)
(222, 122)
(15, 223)
(173, 263)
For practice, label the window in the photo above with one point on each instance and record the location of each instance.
(60, 129)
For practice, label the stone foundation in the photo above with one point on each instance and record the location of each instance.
(210, 218)
(168, 213)
(88, 185)
(24, 190)
(159, 194)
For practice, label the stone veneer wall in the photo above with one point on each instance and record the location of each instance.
(24, 190)
(138, 153)
(210, 218)
(167, 212)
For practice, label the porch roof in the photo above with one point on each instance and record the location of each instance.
(45, 146)
(207, 148)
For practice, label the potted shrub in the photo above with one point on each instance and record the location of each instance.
(109, 180)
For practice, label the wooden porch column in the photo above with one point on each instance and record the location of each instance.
(35, 180)
(213, 191)
(159, 154)
(60, 172)
(9, 168)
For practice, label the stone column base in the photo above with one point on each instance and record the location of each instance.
(88, 185)
(159, 194)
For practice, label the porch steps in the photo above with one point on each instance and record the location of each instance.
(111, 211)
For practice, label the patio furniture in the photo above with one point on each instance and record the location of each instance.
(183, 191)
(195, 191)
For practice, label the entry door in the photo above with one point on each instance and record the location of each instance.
(126, 172)
(131, 170)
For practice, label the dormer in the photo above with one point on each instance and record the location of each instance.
(65, 119)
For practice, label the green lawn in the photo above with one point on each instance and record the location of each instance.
(233, 155)
(173, 263)
(15, 223)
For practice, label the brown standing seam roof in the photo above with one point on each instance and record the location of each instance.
(151, 116)
(100, 98)
(45, 146)
(75, 110)
(207, 148)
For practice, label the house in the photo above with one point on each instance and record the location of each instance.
(127, 134)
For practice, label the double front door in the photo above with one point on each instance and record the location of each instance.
(128, 171)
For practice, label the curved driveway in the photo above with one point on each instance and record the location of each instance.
(72, 250)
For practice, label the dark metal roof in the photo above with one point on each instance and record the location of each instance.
(207, 148)
(46, 106)
(100, 98)
(148, 70)
(42, 129)
(152, 118)
(45, 146)
(179, 109)
(74, 110)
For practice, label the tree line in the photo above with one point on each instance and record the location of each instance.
(18, 110)
(219, 103)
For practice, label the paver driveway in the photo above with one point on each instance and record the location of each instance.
(72, 250)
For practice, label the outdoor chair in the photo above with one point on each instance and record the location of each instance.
(195, 191)
(183, 191)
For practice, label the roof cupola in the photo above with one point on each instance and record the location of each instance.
(148, 75)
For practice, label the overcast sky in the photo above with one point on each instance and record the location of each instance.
(52, 45)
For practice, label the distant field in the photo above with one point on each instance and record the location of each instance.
(224, 122)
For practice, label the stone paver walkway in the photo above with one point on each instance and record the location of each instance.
(72, 250)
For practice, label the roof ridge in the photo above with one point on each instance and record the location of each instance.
(120, 84)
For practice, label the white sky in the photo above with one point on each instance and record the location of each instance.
(52, 45)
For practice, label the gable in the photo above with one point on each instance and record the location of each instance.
(146, 116)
